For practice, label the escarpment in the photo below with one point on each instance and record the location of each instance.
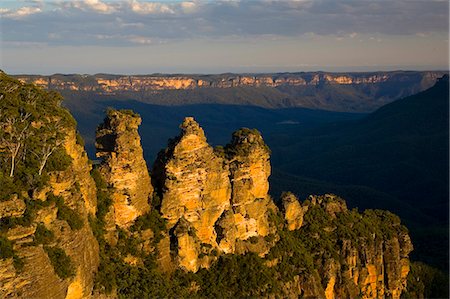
(123, 167)
(204, 211)
(47, 247)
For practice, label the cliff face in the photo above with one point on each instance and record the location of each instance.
(365, 262)
(211, 199)
(123, 167)
(44, 220)
(110, 84)
(249, 172)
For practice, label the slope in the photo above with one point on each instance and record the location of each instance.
(401, 149)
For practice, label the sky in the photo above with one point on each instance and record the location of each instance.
(206, 36)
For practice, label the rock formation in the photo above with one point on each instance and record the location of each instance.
(38, 279)
(367, 264)
(219, 197)
(292, 210)
(116, 83)
(249, 173)
(48, 249)
(123, 167)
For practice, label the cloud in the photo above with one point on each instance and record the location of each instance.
(150, 7)
(79, 22)
(22, 12)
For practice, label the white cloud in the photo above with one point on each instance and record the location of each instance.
(150, 7)
(21, 12)
(94, 5)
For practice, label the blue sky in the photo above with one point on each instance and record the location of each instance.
(195, 36)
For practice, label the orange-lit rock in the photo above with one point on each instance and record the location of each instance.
(123, 166)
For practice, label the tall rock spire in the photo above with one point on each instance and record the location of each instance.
(123, 166)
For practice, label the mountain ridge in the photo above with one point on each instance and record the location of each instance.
(351, 92)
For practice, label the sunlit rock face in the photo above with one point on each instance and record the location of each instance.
(366, 268)
(292, 210)
(249, 172)
(38, 279)
(221, 195)
(123, 166)
(196, 190)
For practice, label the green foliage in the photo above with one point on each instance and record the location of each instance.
(7, 187)
(7, 251)
(32, 128)
(237, 276)
(43, 235)
(6, 248)
(239, 147)
(18, 263)
(72, 217)
(103, 196)
(62, 264)
(59, 160)
(294, 257)
(111, 111)
(151, 220)
(426, 282)
(79, 139)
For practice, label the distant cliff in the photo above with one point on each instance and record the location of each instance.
(201, 224)
(109, 84)
(321, 90)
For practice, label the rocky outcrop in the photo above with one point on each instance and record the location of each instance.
(195, 190)
(12, 208)
(220, 197)
(368, 262)
(292, 210)
(123, 167)
(249, 173)
(38, 278)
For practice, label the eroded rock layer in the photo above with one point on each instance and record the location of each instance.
(220, 197)
(123, 166)
(368, 257)
(38, 277)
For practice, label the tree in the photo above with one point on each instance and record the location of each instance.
(14, 131)
(49, 141)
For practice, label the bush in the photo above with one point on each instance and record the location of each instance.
(70, 216)
(62, 264)
(103, 197)
(58, 161)
(6, 248)
(151, 220)
(43, 235)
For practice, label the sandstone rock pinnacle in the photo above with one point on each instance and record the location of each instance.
(123, 166)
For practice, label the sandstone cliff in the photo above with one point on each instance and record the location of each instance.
(212, 199)
(350, 92)
(44, 222)
(123, 167)
(110, 84)
(351, 258)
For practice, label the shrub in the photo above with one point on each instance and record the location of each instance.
(58, 161)
(70, 216)
(43, 235)
(62, 264)
(6, 248)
